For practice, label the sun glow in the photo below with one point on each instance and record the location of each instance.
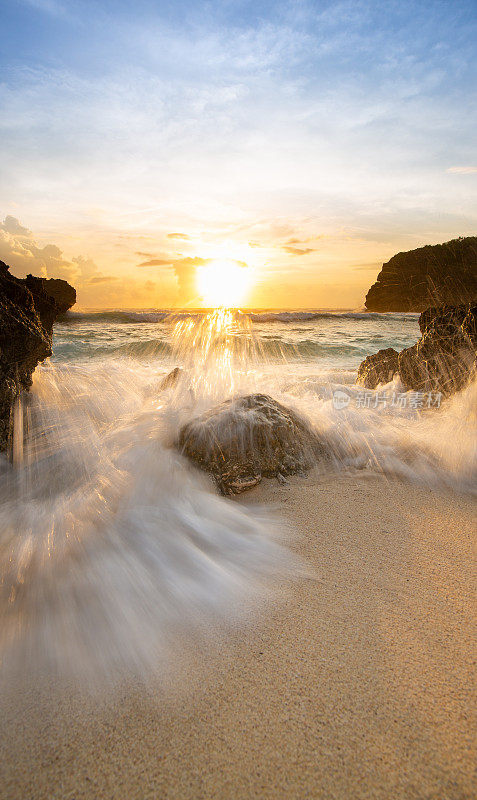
(223, 283)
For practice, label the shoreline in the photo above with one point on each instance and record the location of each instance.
(354, 684)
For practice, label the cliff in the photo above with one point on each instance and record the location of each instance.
(429, 276)
(28, 309)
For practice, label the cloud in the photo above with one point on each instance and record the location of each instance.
(20, 251)
(103, 279)
(12, 225)
(178, 236)
(185, 272)
(298, 251)
(156, 262)
(462, 170)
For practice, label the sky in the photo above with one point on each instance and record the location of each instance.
(308, 140)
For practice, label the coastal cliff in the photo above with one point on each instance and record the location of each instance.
(28, 308)
(429, 276)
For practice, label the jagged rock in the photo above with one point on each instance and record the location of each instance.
(62, 293)
(27, 314)
(443, 359)
(428, 276)
(171, 378)
(451, 316)
(247, 438)
(378, 368)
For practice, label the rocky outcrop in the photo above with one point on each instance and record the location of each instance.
(247, 438)
(62, 293)
(27, 314)
(171, 379)
(443, 360)
(429, 276)
(378, 368)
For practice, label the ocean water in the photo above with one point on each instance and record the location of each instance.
(111, 543)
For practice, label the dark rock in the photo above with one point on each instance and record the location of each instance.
(171, 378)
(247, 438)
(450, 315)
(469, 326)
(378, 368)
(27, 314)
(443, 360)
(62, 293)
(429, 276)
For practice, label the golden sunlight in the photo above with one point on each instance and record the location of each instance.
(223, 282)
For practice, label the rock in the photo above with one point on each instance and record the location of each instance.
(378, 368)
(27, 314)
(247, 438)
(62, 293)
(434, 275)
(453, 316)
(469, 326)
(443, 360)
(171, 378)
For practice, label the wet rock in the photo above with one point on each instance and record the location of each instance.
(378, 368)
(445, 317)
(443, 360)
(171, 378)
(27, 314)
(248, 438)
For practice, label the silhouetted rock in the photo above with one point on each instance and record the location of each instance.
(27, 314)
(247, 438)
(429, 276)
(62, 293)
(378, 368)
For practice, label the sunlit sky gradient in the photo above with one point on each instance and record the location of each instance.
(311, 140)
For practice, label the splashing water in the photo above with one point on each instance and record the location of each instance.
(111, 545)
(218, 351)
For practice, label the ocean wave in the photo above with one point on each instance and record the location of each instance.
(126, 317)
(270, 348)
(283, 317)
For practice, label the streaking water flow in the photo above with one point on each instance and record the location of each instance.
(111, 545)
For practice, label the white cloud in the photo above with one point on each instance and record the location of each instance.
(463, 170)
(20, 251)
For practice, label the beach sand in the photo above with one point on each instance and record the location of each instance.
(355, 683)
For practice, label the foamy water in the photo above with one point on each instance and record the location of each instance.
(111, 543)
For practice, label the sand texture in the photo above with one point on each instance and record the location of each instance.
(354, 684)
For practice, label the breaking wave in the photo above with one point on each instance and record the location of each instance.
(112, 546)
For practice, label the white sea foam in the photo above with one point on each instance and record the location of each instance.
(111, 544)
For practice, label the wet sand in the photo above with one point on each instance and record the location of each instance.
(353, 683)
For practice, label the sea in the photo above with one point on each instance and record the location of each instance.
(112, 543)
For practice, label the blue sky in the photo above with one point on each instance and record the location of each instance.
(309, 139)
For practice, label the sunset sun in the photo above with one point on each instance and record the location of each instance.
(223, 283)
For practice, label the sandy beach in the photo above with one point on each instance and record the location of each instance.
(354, 683)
